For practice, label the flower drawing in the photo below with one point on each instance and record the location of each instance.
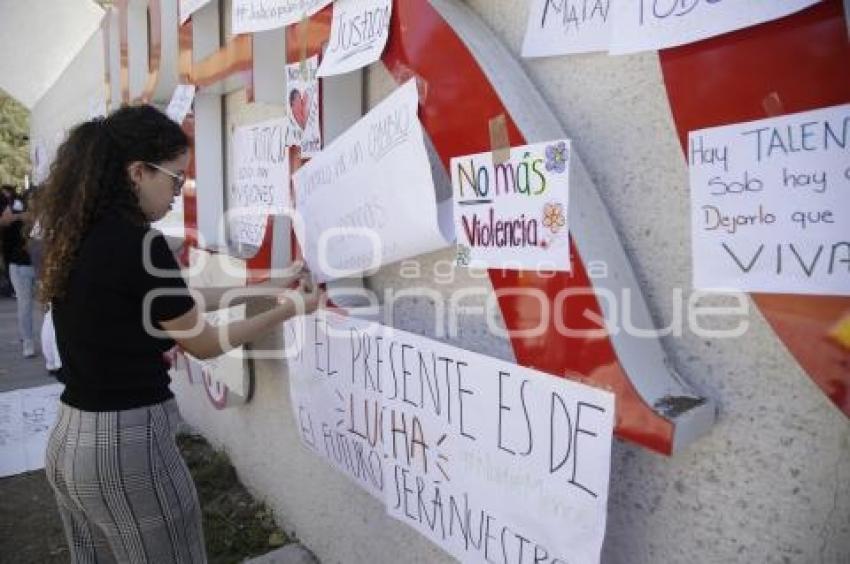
(553, 216)
(556, 157)
(463, 255)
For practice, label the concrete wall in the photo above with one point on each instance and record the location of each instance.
(77, 92)
(770, 483)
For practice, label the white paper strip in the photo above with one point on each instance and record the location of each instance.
(771, 204)
(514, 215)
(181, 102)
(489, 460)
(260, 15)
(368, 199)
(560, 27)
(641, 25)
(189, 7)
(359, 34)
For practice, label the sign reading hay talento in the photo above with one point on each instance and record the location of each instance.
(491, 461)
(771, 204)
(513, 214)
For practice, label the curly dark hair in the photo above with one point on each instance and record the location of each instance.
(89, 178)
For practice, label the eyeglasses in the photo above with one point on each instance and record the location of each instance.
(178, 178)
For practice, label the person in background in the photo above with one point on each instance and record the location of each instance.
(19, 264)
(49, 350)
(119, 302)
(6, 193)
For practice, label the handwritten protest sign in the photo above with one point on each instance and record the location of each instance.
(12, 454)
(181, 102)
(560, 27)
(173, 224)
(189, 7)
(513, 214)
(26, 418)
(39, 408)
(771, 204)
(368, 199)
(641, 25)
(260, 184)
(359, 34)
(302, 106)
(489, 460)
(260, 15)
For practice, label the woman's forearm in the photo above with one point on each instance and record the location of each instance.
(237, 333)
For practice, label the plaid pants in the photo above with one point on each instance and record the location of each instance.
(123, 490)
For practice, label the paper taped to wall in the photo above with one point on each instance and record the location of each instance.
(259, 185)
(513, 215)
(770, 204)
(260, 15)
(368, 199)
(359, 34)
(655, 24)
(481, 456)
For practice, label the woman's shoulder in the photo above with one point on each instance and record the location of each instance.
(115, 233)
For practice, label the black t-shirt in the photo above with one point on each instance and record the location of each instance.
(109, 361)
(14, 244)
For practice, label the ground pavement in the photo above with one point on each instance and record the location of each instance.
(30, 529)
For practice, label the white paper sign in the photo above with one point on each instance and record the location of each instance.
(12, 453)
(260, 184)
(181, 102)
(39, 408)
(189, 7)
(219, 270)
(771, 204)
(514, 215)
(359, 34)
(489, 460)
(260, 15)
(302, 105)
(641, 25)
(26, 419)
(560, 27)
(368, 199)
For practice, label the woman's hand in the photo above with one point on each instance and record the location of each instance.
(306, 298)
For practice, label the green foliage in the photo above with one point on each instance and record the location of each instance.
(236, 527)
(14, 141)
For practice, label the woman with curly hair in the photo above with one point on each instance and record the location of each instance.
(119, 302)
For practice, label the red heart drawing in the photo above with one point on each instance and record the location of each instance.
(790, 65)
(300, 106)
